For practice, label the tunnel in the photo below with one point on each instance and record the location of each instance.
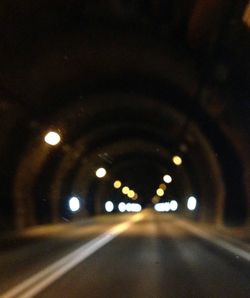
(125, 103)
(127, 85)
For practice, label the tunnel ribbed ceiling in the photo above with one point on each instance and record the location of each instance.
(127, 84)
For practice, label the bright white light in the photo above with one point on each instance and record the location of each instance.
(100, 173)
(109, 206)
(122, 207)
(159, 207)
(136, 207)
(129, 207)
(167, 207)
(156, 208)
(191, 203)
(133, 207)
(162, 207)
(52, 138)
(74, 204)
(167, 179)
(173, 205)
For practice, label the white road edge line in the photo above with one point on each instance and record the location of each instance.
(41, 280)
(215, 240)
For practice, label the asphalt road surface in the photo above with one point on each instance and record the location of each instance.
(144, 255)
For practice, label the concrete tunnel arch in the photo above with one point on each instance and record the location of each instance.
(129, 63)
(157, 87)
(65, 181)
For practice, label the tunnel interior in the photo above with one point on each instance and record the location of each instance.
(127, 85)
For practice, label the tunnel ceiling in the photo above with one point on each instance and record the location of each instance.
(127, 84)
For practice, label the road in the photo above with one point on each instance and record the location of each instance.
(144, 255)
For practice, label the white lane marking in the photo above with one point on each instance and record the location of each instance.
(215, 240)
(35, 284)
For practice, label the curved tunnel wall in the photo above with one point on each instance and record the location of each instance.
(136, 69)
(69, 182)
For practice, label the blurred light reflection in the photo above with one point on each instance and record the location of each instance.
(109, 206)
(117, 184)
(74, 204)
(100, 173)
(191, 203)
(52, 138)
(177, 160)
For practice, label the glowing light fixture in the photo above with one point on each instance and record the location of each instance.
(74, 204)
(162, 207)
(133, 207)
(122, 207)
(129, 207)
(125, 190)
(167, 206)
(177, 160)
(137, 208)
(159, 207)
(173, 205)
(167, 179)
(52, 138)
(131, 194)
(160, 192)
(100, 173)
(117, 184)
(192, 203)
(109, 206)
